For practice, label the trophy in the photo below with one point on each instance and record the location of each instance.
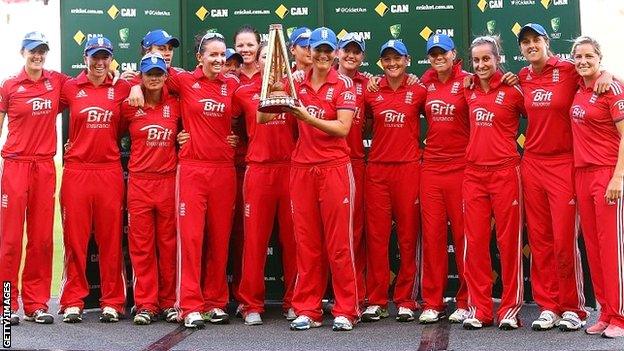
(273, 97)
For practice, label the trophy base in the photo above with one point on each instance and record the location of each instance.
(277, 104)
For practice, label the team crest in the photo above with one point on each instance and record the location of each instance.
(330, 94)
(500, 97)
(555, 75)
(111, 94)
(409, 97)
(48, 85)
(224, 90)
(166, 111)
(455, 88)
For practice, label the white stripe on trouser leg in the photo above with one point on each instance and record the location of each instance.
(620, 249)
(179, 242)
(352, 191)
(578, 267)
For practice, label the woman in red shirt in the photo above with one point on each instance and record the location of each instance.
(598, 140)
(492, 184)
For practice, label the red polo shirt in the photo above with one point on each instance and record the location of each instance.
(94, 119)
(354, 139)
(206, 114)
(494, 119)
(596, 139)
(396, 121)
(314, 146)
(31, 108)
(446, 111)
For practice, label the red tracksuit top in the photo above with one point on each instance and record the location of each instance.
(314, 146)
(494, 119)
(354, 138)
(596, 139)
(547, 99)
(153, 132)
(31, 108)
(94, 119)
(206, 114)
(446, 111)
(244, 79)
(269, 143)
(396, 121)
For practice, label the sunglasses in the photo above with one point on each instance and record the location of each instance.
(209, 36)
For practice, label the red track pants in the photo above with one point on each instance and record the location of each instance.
(392, 192)
(441, 202)
(266, 196)
(205, 197)
(498, 190)
(602, 224)
(152, 241)
(27, 189)
(359, 242)
(92, 199)
(550, 204)
(322, 199)
(236, 238)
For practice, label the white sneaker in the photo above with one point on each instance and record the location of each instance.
(374, 313)
(459, 315)
(194, 320)
(570, 321)
(72, 315)
(253, 318)
(431, 316)
(405, 315)
(109, 315)
(342, 323)
(472, 324)
(547, 320)
(290, 314)
(508, 324)
(218, 316)
(304, 322)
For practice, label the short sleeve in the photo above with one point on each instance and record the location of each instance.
(616, 102)
(346, 98)
(4, 97)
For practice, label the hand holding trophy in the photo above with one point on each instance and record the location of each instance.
(273, 97)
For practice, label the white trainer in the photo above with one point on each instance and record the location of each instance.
(546, 320)
(459, 315)
(431, 316)
(253, 318)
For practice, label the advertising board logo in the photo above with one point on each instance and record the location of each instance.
(124, 35)
(555, 24)
(201, 13)
(516, 28)
(425, 32)
(548, 3)
(79, 37)
(491, 26)
(382, 8)
(114, 12)
(395, 30)
(282, 11)
(493, 4)
(363, 35)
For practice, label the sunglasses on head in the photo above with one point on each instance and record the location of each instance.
(209, 36)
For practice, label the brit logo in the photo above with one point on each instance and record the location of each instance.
(330, 94)
(48, 85)
(40, 106)
(409, 97)
(81, 94)
(393, 118)
(224, 90)
(431, 87)
(619, 105)
(348, 96)
(578, 113)
(316, 112)
(166, 111)
(97, 117)
(555, 75)
(212, 107)
(483, 117)
(156, 133)
(441, 111)
(500, 97)
(542, 97)
(455, 88)
(111, 94)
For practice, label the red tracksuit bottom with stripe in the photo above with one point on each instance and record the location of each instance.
(236, 238)
(486, 190)
(392, 191)
(359, 242)
(322, 199)
(27, 189)
(266, 195)
(550, 205)
(206, 194)
(92, 199)
(602, 225)
(152, 240)
(441, 202)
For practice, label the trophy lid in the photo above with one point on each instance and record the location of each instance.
(277, 26)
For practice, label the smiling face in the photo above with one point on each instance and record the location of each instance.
(441, 61)
(262, 58)
(394, 64)
(484, 61)
(97, 64)
(302, 54)
(213, 57)
(35, 58)
(323, 57)
(534, 48)
(154, 79)
(350, 57)
(247, 46)
(587, 61)
(165, 50)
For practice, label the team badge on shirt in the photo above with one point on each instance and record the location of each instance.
(409, 97)
(555, 75)
(111, 94)
(455, 88)
(500, 97)
(593, 98)
(166, 111)
(358, 88)
(48, 85)
(330, 94)
(224, 90)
